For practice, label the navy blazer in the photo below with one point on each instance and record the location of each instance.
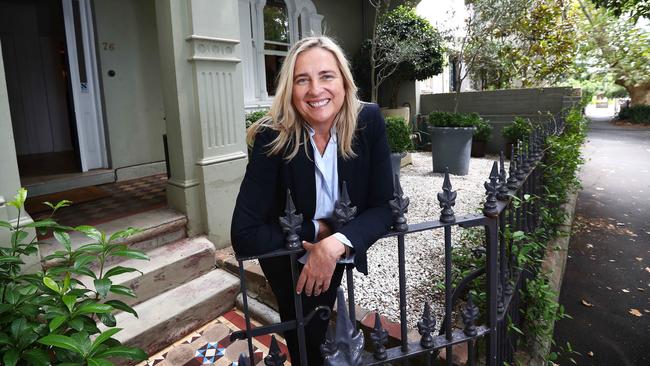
(255, 227)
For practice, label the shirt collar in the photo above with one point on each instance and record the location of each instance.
(333, 138)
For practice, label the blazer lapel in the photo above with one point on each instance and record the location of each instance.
(304, 182)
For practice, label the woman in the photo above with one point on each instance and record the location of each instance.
(316, 135)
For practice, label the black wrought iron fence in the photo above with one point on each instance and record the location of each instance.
(506, 209)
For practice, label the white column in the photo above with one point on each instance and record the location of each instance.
(204, 103)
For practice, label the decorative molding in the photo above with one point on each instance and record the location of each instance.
(216, 108)
(183, 184)
(213, 49)
(222, 158)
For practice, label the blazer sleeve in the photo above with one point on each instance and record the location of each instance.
(376, 220)
(255, 227)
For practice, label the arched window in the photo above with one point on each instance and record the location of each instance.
(268, 28)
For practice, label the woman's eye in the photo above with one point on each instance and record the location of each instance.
(301, 81)
(328, 77)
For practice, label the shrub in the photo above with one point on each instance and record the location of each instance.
(253, 117)
(398, 133)
(449, 119)
(50, 317)
(636, 114)
(519, 129)
(483, 131)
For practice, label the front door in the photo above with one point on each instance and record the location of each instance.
(80, 43)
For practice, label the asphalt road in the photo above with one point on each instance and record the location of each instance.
(606, 286)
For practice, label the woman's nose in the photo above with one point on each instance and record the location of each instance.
(315, 87)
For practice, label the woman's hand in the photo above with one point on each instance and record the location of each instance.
(324, 230)
(317, 273)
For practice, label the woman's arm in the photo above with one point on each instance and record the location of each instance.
(255, 229)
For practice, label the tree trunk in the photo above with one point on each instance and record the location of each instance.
(639, 94)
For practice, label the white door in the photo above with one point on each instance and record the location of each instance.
(80, 41)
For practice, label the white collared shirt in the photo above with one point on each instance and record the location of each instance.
(327, 187)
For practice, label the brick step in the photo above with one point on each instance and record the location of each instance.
(175, 313)
(169, 266)
(159, 227)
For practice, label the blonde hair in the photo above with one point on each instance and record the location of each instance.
(284, 118)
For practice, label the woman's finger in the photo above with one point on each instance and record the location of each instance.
(301, 282)
(310, 285)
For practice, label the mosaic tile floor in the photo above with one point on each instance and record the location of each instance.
(211, 345)
(124, 198)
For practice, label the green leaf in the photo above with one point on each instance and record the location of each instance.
(18, 326)
(90, 232)
(131, 253)
(119, 270)
(69, 301)
(58, 205)
(92, 307)
(10, 357)
(120, 305)
(84, 271)
(103, 338)
(56, 322)
(36, 357)
(76, 324)
(122, 290)
(61, 341)
(6, 225)
(18, 236)
(108, 319)
(103, 286)
(124, 233)
(41, 223)
(98, 362)
(91, 248)
(51, 284)
(123, 351)
(10, 259)
(19, 199)
(28, 289)
(63, 238)
(82, 260)
(4, 339)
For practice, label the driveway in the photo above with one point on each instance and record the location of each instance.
(606, 287)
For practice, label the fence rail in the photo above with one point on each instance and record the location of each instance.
(506, 207)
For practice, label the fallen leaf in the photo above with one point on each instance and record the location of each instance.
(612, 260)
(635, 312)
(647, 269)
(609, 288)
(639, 259)
(625, 290)
(600, 189)
(586, 303)
(590, 246)
(646, 310)
(640, 289)
(590, 354)
(620, 224)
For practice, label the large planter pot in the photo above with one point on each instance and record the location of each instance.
(396, 162)
(478, 148)
(450, 149)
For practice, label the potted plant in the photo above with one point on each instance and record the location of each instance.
(398, 133)
(481, 137)
(518, 130)
(451, 141)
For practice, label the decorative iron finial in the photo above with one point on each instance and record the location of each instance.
(426, 326)
(502, 193)
(399, 205)
(243, 360)
(447, 200)
(508, 288)
(490, 206)
(469, 315)
(274, 358)
(346, 346)
(525, 161)
(520, 174)
(500, 300)
(291, 223)
(379, 337)
(512, 176)
(343, 211)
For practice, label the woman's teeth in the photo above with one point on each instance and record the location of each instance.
(319, 103)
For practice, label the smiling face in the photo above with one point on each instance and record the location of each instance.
(318, 90)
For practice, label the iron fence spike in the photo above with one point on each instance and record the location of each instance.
(379, 337)
(469, 315)
(399, 206)
(344, 212)
(447, 200)
(347, 345)
(291, 223)
(490, 206)
(275, 357)
(426, 326)
(243, 360)
(512, 177)
(502, 194)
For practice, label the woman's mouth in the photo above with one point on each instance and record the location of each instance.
(319, 103)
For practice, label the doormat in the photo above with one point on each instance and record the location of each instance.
(35, 205)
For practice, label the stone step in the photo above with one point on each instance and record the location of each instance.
(159, 227)
(175, 313)
(169, 266)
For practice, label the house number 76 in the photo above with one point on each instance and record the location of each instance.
(108, 46)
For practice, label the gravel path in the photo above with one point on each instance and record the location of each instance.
(424, 251)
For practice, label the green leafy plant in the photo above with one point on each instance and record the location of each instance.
(253, 117)
(636, 114)
(398, 133)
(519, 129)
(483, 131)
(50, 317)
(450, 119)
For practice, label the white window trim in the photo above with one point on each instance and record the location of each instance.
(252, 43)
